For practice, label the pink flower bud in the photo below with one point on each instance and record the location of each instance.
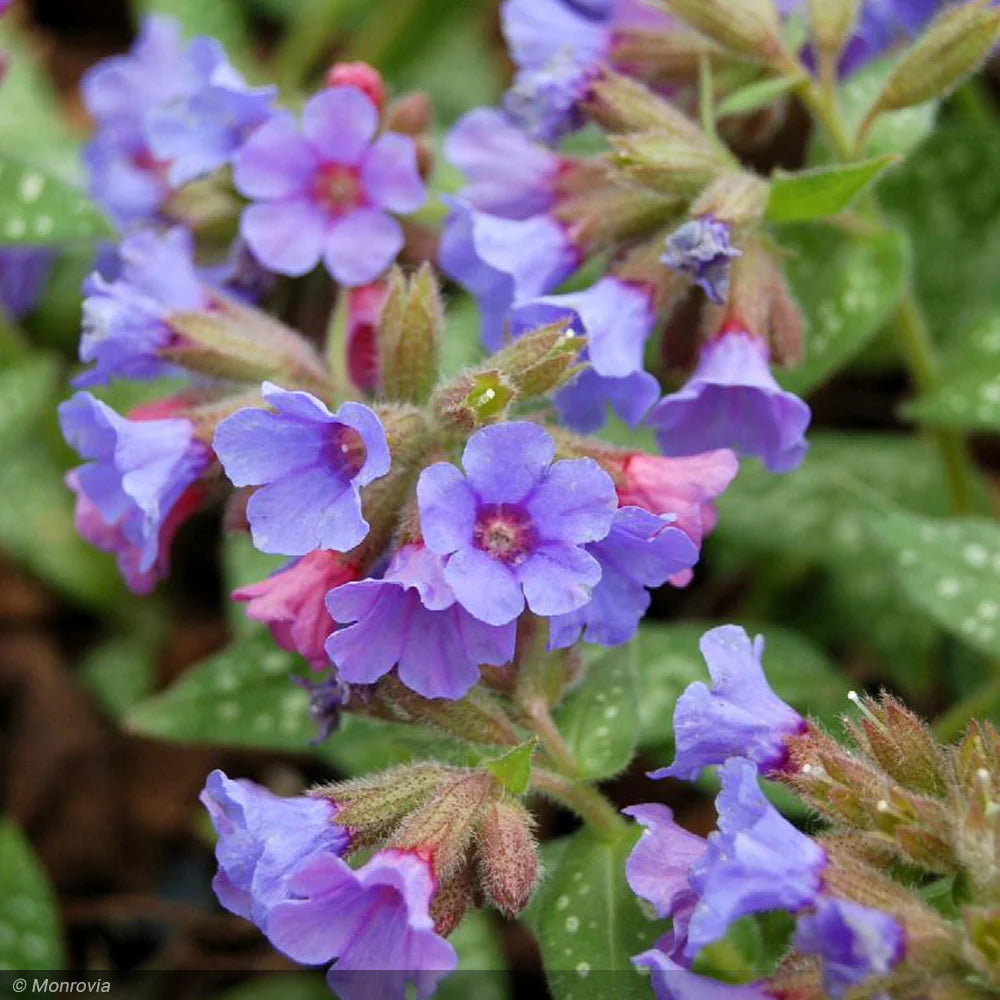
(362, 77)
(508, 862)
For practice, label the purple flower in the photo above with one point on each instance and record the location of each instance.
(853, 941)
(326, 192)
(513, 528)
(675, 982)
(616, 317)
(641, 550)
(137, 473)
(700, 249)
(558, 48)
(503, 262)
(509, 175)
(659, 867)
(732, 401)
(739, 716)
(755, 861)
(199, 130)
(166, 113)
(310, 464)
(374, 921)
(882, 24)
(410, 619)
(23, 272)
(263, 839)
(126, 321)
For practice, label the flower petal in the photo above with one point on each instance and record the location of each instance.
(390, 175)
(275, 162)
(285, 236)
(339, 124)
(361, 245)
(447, 508)
(558, 578)
(485, 587)
(506, 462)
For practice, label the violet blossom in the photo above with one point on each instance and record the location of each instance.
(673, 981)
(410, 619)
(310, 464)
(732, 401)
(328, 192)
(263, 840)
(739, 716)
(514, 526)
(700, 248)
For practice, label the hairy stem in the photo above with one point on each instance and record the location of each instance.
(584, 799)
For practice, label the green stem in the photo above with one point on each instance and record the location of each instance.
(918, 352)
(983, 702)
(584, 799)
(336, 345)
(541, 723)
(824, 106)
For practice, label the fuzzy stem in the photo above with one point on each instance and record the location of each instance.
(584, 799)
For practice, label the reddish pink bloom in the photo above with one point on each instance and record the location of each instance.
(684, 487)
(362, 77)
(364, 309)
(291, 602)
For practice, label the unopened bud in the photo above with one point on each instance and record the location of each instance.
(982, 933)
(623, 105)
(237, 342)
(362, 77)
(473, 400)
(453, 898)
(409, 337)
(541, 361)
(371, 806)
(831, 23)
(749, 29)
(663, 57)
(736, 197)
(507, 853)
(410, 114)
(955, 45)
(785, 323)
(442, 828)
(661, 163)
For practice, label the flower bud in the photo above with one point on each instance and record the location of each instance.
(506, 850)
(410, 114)
(362, 77)
(473, 400)
(371, 806)
(234, 341)
(621, 104)
(749, 29)
(663, 164)
(954, 46)
(831, 23)
(541, 361)
(441, 829)
(409, 337)
(663, 57)
(453, 898)
(736, 197)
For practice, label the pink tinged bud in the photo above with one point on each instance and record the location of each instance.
(507, 853)
(453, 899)
(362, 77)
(291, 602)
(364, 309)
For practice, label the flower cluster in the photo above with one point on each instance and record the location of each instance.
(452, 539)
(888, 797)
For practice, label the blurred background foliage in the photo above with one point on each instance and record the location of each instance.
(114, 707)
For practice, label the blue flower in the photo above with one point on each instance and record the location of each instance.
(853, 941)
(755, 861)
(701, 249)
(739, 716)
(672, 981)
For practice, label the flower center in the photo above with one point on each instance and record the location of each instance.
(337, 188)
(505, 532)
(345, 450)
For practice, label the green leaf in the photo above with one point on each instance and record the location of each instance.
(968, 395)
(948, 568)
(37, 208)
(27, 389)
(847, 287)
(822, 191)
(223, 20)
(29, 924)
(948, 198)
(589, 923)
(758, 94)
(120, 673)
(669, 660)
(242, 696)
(599, 720)
(513, 769)
(895, 132)
(482, 970)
